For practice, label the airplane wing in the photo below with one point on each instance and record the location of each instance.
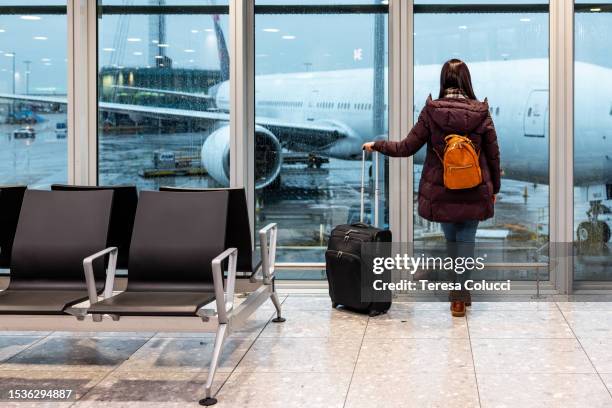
(34, 98)
(300, 136)
(164, 91)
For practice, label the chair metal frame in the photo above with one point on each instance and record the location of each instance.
(222, 319)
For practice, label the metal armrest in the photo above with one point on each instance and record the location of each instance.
(225, 299)
(267, 242)
(110, 273)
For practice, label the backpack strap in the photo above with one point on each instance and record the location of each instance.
(438, 154)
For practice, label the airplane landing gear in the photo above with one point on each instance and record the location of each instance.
(594, 231)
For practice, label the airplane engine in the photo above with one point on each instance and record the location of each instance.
(268, 156)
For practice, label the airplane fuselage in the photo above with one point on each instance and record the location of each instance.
(517, 93)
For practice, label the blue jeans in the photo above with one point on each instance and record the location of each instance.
(460, 242)
(460, 231)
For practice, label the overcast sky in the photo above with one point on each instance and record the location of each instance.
(284, 43)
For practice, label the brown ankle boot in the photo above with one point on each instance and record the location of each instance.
(457, 308)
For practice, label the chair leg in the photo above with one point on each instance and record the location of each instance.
(214, 362)
(277, 305)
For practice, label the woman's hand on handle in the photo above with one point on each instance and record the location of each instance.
(368, 146)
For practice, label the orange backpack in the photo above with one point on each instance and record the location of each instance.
(460, 162)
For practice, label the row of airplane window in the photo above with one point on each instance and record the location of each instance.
(288, 104)
(320, 105)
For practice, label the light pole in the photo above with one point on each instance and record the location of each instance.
(12, 54)
(27, 75)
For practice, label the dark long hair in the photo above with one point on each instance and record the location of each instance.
(455, 74)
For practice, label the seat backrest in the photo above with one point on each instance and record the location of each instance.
(10, 206)
(123, 212)
(175, 238)
(238, 230)
(56, 231)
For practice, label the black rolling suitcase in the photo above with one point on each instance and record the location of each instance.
(343, 257)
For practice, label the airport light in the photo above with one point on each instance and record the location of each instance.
(134, 39)
(271, 30)
(358, 54)
(137, 53)
(596, 9)
(41, 38)
(159, 57)
(462, 27)
(189, 50)
(2, 30)
(30, 18)
(288, 37)
(45, 59)
(155, 41)
(209, 30)
(108, 49)
(194, 31)
(525, 20)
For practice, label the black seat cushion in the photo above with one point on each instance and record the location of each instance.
(56, 231)
(125, 200)
(175, 238)
(39, 301)
(238, 230)
(154, 303)
(11, 198)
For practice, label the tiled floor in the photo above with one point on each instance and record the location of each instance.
(417, 355)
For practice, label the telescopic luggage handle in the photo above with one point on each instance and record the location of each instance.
(376, 187)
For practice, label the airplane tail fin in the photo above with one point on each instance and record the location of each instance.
(222, 50)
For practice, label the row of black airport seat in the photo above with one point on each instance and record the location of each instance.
(63, 247)
(123, 213)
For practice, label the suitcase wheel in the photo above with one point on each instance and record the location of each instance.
(334, 305)
(374, 313)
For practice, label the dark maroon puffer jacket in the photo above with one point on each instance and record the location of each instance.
(438, 119)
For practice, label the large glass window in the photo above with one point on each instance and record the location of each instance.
(592, 141)
(163, 93)
(320, 92)
(505, 44)
(33, 78)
